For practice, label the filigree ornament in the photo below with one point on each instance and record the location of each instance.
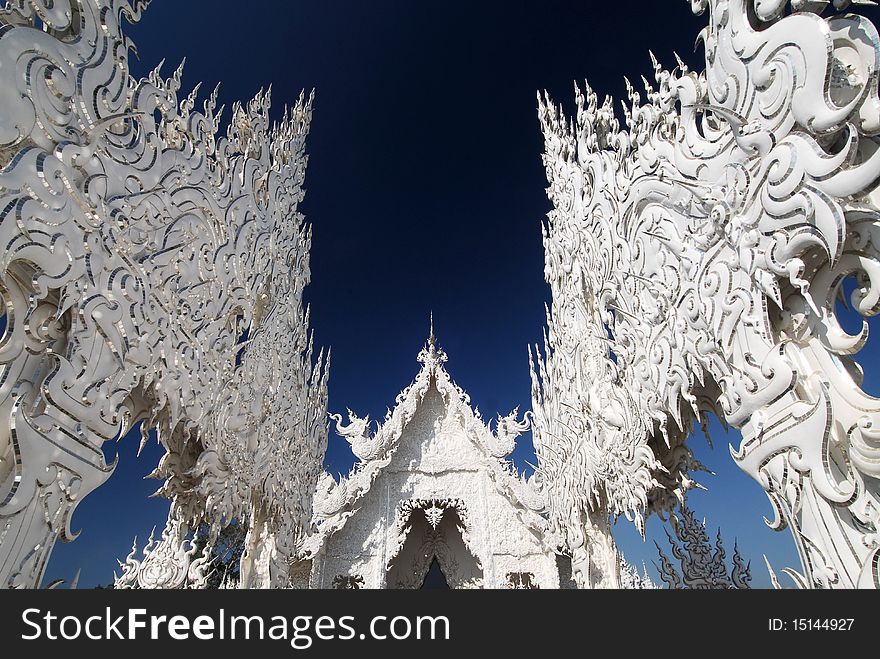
(151, 270)
(347, 582)
(335, 502)
(434, 515)
(171, 562)
(521, 581)
(435, 547)
(433, 510)
(630, 579)
(701, 567)
(695, 259)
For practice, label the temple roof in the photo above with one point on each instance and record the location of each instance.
(335, 502)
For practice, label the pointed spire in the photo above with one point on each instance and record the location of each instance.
(431, 355)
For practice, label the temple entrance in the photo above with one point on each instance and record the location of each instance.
(435, 579)
(434, 554)
(413, 513)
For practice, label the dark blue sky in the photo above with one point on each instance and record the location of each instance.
(426, 191)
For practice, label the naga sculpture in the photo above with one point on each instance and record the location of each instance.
(150, 271)
(695, 258)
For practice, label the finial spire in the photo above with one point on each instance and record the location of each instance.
(431, 355)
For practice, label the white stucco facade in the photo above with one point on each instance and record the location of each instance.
(433, 482)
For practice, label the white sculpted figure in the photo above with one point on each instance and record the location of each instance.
(171, 562)
(139, 250)
(695, 259)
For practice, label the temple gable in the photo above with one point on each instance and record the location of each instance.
(432, 485)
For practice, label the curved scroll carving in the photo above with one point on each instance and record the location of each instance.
(173, 561)
(630, 579)
(140, 248)
(704, 247)
(435, 545)
(501, 442)
(434, 510)
(335, 502)
(701, 567)
(357, 433)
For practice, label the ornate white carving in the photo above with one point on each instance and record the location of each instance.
(433, 456)
(357, 433)
(630, 578)
(521, 581)
(703, 248)
(434, 515)
(138, 248)
(436, 541)
(336, 501)
(435, 545)
(171, 562)
(433, 510)
(700, 566)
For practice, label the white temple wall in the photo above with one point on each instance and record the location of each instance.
(435, 461)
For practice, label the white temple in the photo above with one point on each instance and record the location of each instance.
(433, 483)
(152, 270)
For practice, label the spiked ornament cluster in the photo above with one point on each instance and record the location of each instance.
(139, 248)
(695, 258)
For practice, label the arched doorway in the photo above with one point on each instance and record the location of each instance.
(435, 579)
(434, 553)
